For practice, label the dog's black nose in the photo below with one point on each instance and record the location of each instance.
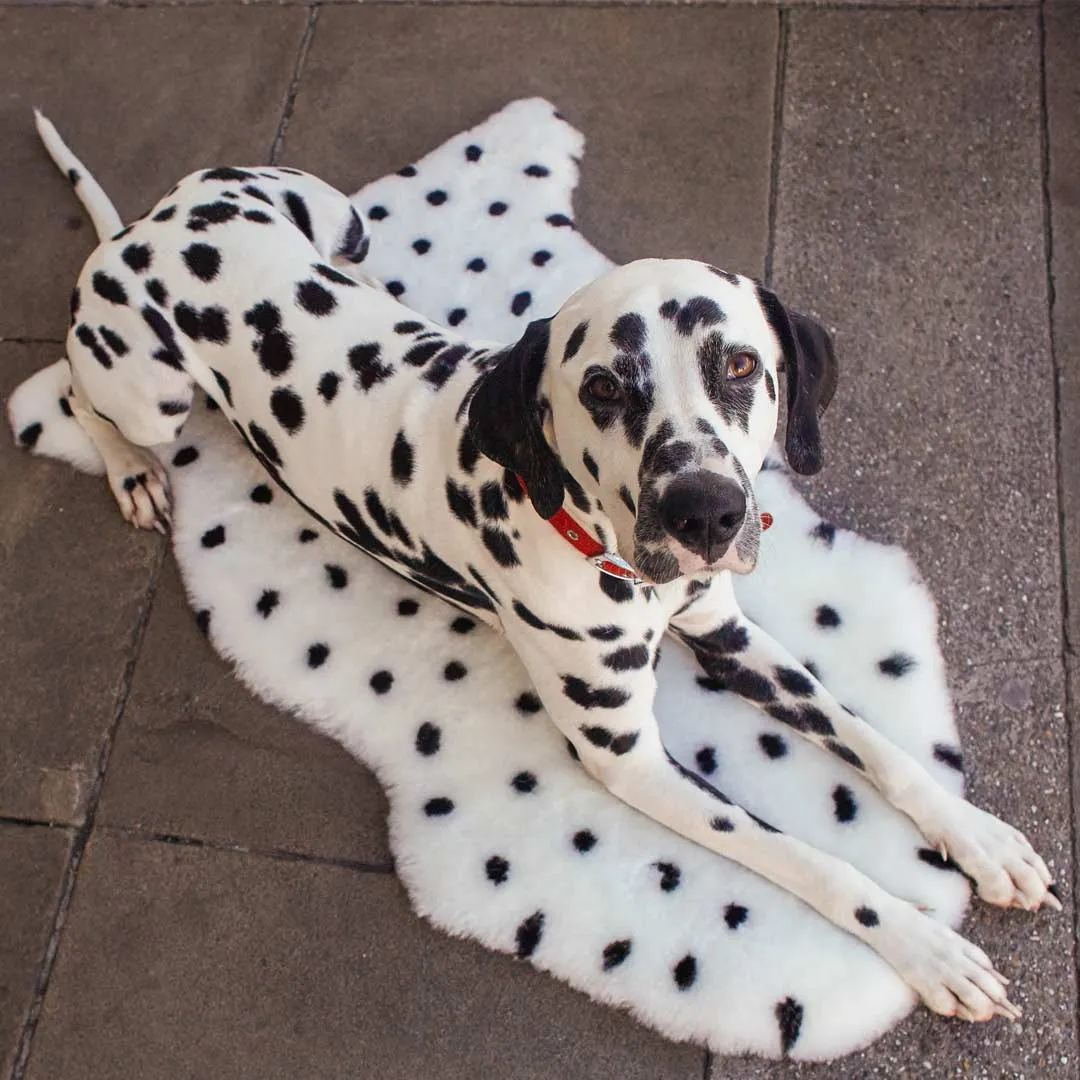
(703, 512)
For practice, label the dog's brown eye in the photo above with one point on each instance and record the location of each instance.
(604, 388)
(741, 365)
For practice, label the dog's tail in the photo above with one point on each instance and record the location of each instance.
(98, 205)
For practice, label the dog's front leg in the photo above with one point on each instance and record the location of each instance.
(748, 662)
(605, 710)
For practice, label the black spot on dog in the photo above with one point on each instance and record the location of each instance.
(30, 434)
(173, 408)
(500, 545)
(402, 460)
(615, 953)
(537, 171)
(214, 537)
(454, 671)
(267, 602)
(897, 665)
(298, 211)
(226, 173)
(497, 209)
(437, 197)
(949, 755)
(706, 760)
(381, 682)
(520, 304)
(629, 333)
(165, 214)
(257, 216)
(262, 494)
(472, 152)
(421, 353)
(206, 214)
(428, 739)
(378, 213)
(606, 633)
(670, 876)
(421, 246)
(203, 261)
(202, 621)
(157, 291)
(584, 840)
(369, 369)
(315, 299)
(794, 682)
(409, 326)
(722, 824)
(627, 658)
(528, 935)
(307, 535)
(845, 808)
(137, 256)
(617, 589)
(115, 342)
(844, 753)
(407, 171)
(264, 443)
(287, 408)
(789, 1018)
(330, 274)
(590, 464)
(528, 703)
(493, 502)
(560, 221)
(65, 407)
(827, 617)
(867, 916)
(591, 697)
(439, 807)
(461, 502)
(606, 739)
(735, 915)
(685, 972)
(328, 386)
(477, 265)
(463, 625)
(457, 316)
(524, 782)
(825, 532)
(224, 386)
(108, 288)
(258, 193)
(627, 499)
(336, 575)
(497, 869)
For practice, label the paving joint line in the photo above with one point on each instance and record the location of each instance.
(83, 831)
(1066, 644)
(280, 854)
(30, 340)
(17, 822)
(776, 141)
(294, 84)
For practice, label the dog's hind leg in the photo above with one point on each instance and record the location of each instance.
(137, 478)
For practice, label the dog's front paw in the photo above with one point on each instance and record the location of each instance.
(1006, 869)
(141, 489)
(951, 975)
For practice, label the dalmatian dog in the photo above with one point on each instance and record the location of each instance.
(585, 491)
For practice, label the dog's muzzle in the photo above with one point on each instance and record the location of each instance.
(703, 512)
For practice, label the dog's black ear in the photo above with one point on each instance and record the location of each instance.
(505, 421)
(812, 372)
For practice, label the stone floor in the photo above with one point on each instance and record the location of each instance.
(191, 884)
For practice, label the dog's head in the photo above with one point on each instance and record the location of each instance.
(656, 388)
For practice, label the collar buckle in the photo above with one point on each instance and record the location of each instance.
(607, 562)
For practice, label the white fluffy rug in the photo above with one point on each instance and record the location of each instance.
(498, 834)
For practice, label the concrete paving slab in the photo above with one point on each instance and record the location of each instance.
(910, 217)
(143, 96)
(1016, 752)
(676, 105)
(74, 582)
(32, 862)
(198, 756)
(183, 962)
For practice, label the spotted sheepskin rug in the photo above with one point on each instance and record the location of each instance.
(497, 833)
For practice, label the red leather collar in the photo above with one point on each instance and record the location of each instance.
(607, 562)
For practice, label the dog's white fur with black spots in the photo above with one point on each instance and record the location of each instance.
(646, 405)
